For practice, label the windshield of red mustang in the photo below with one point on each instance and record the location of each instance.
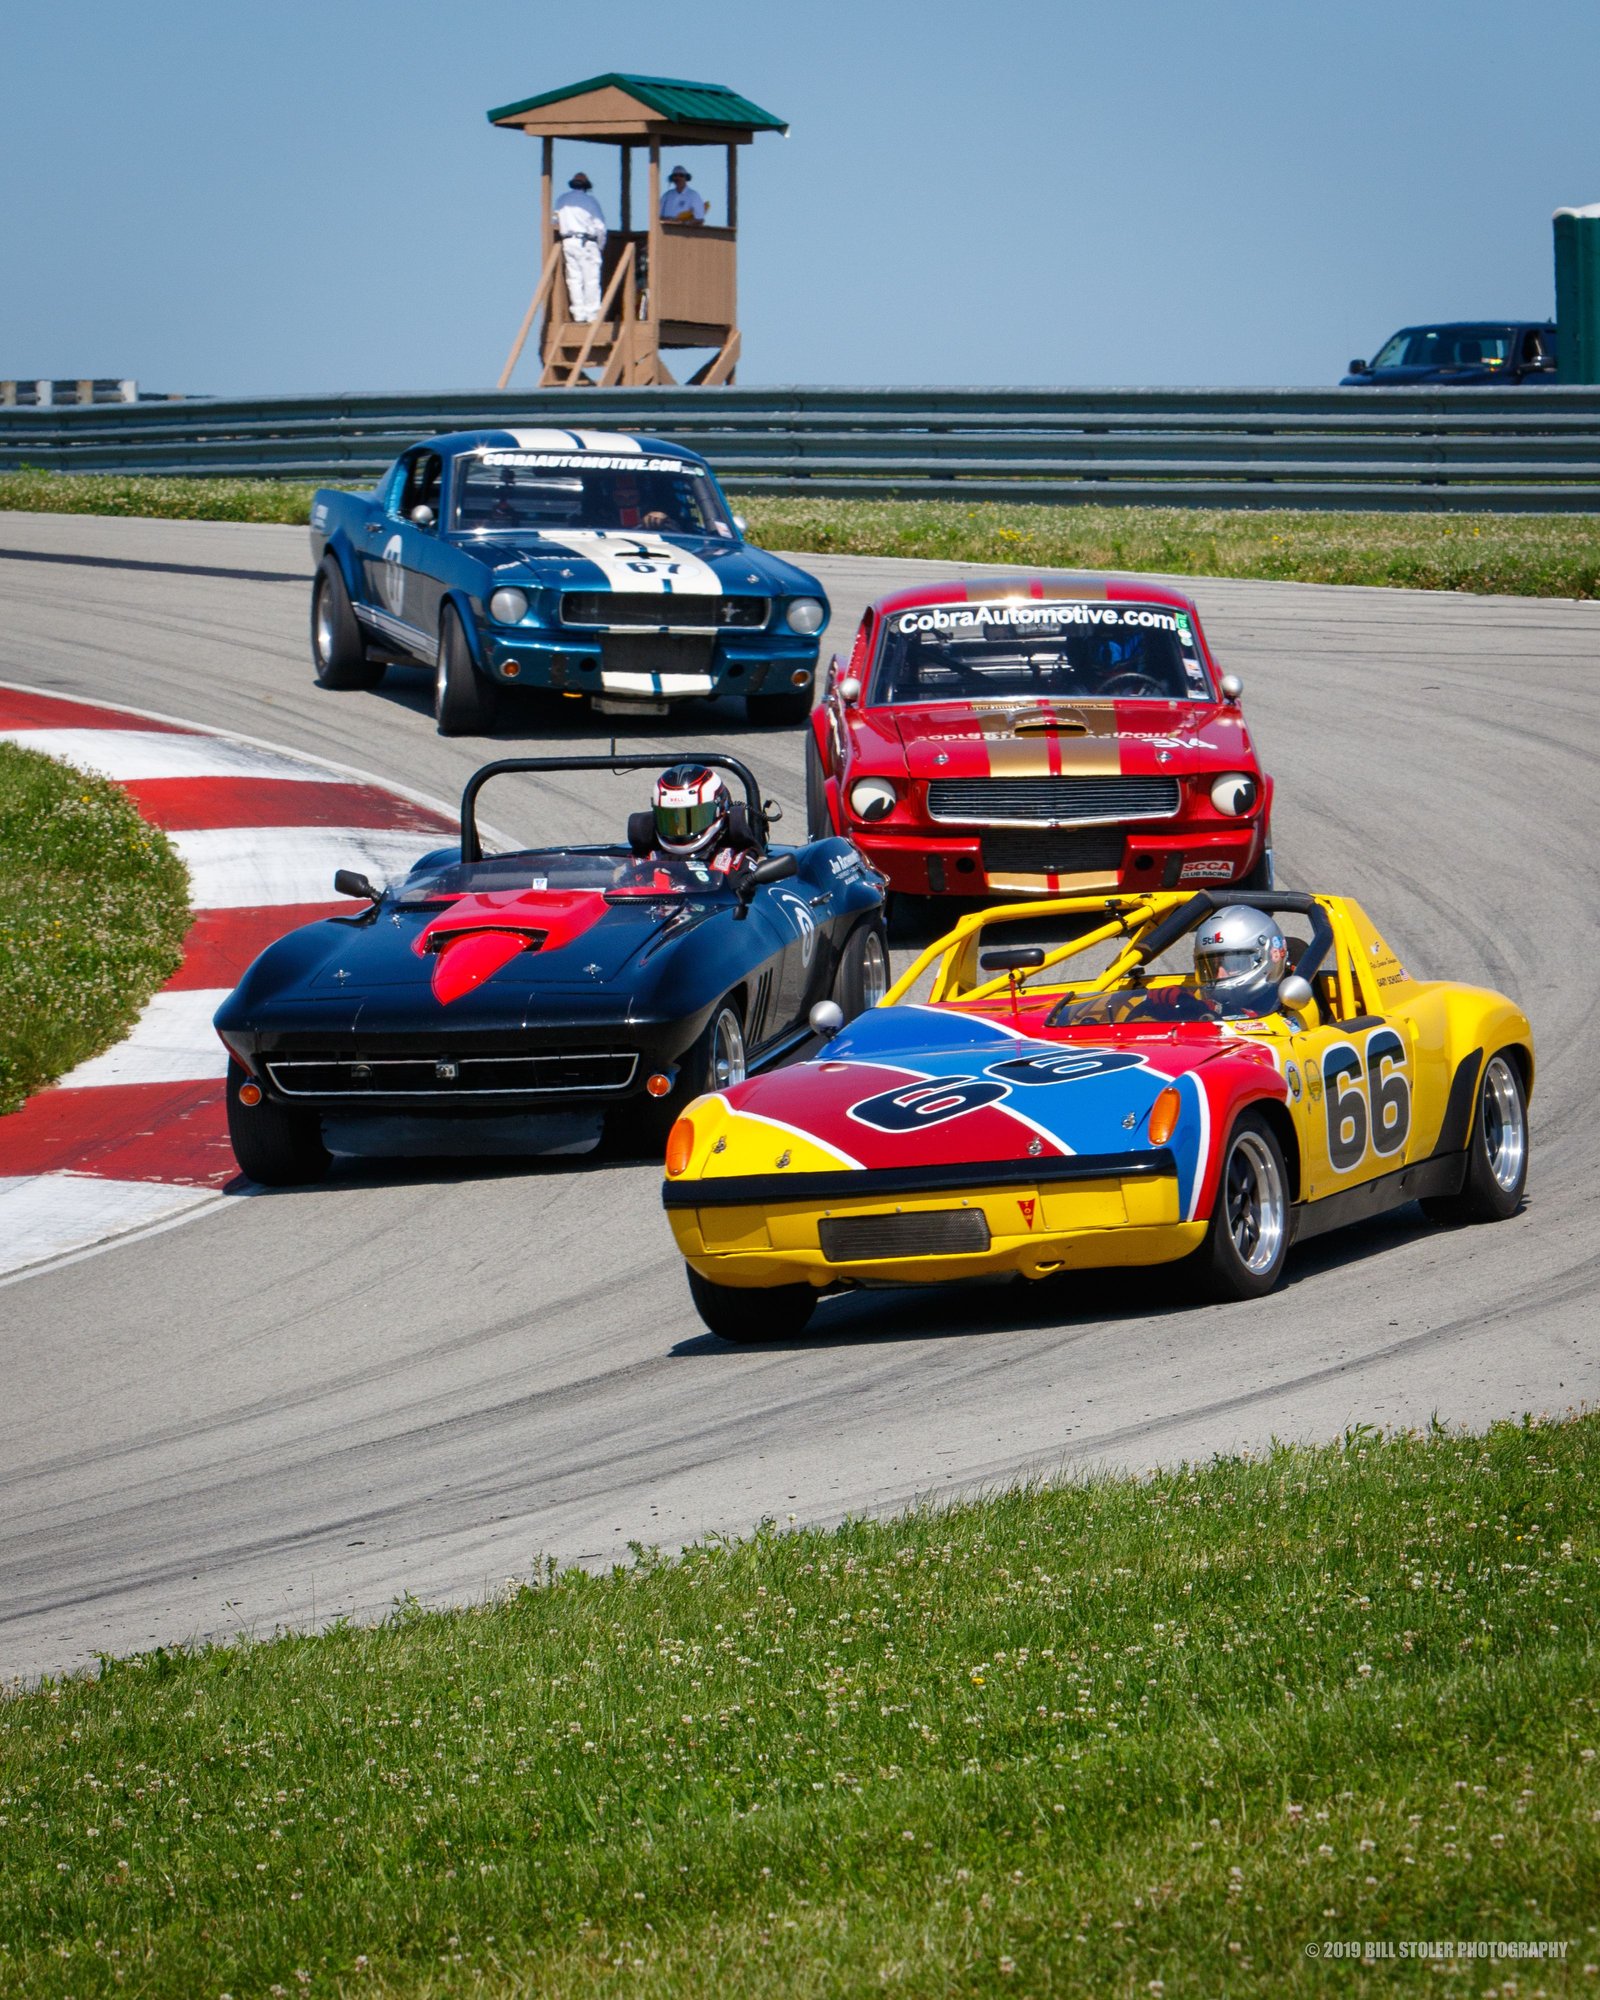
(1020, 649)
(586, 491)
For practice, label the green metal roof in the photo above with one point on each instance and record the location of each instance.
(683, 103)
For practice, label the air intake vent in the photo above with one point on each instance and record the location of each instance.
(663, 610)
(1050, 801)
(1073, 851)
(938, 1232)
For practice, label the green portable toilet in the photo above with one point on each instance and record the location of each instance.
(1577, 233)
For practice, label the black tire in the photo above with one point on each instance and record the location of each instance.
(1497, 1152)
(338, 651)
(748, 1317)
(780, 710)
(464, 701)
(714, 1059)
(273, 1145)
(1247, 1243)
(863, 975)
(1260, 877)
(819, 826)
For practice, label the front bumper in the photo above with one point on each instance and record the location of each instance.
(647, 666)
(1094, 1212)
(936, 861)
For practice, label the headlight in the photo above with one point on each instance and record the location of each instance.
(872, 798)
(807, 614)
(508, 607)
(1234, 794)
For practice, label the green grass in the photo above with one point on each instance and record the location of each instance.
(1522, 555)
(1065, 1741)
(93, 909)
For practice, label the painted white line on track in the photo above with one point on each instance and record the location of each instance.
(129, 755)
(243, 867)
(48, 1215)
(172, 1041)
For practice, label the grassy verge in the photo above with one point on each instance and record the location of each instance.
(93, 909)
(1518, 554)
(1115, 1739)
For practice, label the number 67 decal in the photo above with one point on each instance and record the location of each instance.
(1366, 1109)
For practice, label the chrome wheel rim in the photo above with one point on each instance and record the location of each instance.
(1504, 1123)
(727, 1051)
(874, 970)
(322, 628)
(1256, 1208)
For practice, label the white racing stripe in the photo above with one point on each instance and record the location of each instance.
(49, 1215)
(241, 867)
(613, 442)
(172, 1041)
(652, 684)
(638, 562)
(131, 754)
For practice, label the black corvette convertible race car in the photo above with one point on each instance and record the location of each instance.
(523, 1002)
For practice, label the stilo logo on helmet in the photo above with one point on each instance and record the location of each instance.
(691, 807)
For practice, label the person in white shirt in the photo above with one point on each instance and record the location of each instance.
(581, 224)
(681, 203)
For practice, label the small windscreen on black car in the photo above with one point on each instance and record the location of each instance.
(497, 491)
(612, 869)
(1017, 649)
(1447, 347)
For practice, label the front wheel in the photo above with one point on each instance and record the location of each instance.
(464, 701)
(715, 1060)
(1497, 1152)
(863, 975)
(819, 825)
(338, 652)
(788, 705)
(273, 1145)
(748, 1318)
(1248, 1241)
(1260, 877)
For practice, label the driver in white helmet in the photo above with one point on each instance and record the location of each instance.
(696, 820)
(1239, 957)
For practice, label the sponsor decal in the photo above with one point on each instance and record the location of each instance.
(1027, 1207)
(1292, 1077)
(803, 921)
(576, 461)
(1067, 1066)
(1206, 871)
(973, 617)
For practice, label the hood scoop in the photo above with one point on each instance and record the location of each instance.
(464, 959)
(1030, 721)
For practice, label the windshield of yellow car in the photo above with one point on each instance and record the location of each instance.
(1162, 1006)
(496, 492)
(1023, 649)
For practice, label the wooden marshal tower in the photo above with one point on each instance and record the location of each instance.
(662, 286)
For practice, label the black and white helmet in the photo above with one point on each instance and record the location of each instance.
(691, 807)
(1240, 953)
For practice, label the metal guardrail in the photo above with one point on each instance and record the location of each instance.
(1522, 450)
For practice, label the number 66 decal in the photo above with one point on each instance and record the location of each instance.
(1366, 1109)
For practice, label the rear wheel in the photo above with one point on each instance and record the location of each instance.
(785, 706)
(338, 652)
(464, 701)
(273, 1145)
(863, 975)
(819, 826)
(1245, 1248)
(777, 1312)
(1497, 1152)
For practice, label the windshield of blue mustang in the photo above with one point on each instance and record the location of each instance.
(1020, 649)
(605, 868)
(497, 491)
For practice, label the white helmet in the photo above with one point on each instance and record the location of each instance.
(1240, 952)
(692, 805)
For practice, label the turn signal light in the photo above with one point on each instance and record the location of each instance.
(250, 1093)
(1164, 1115)
(680, 1145)
(658, 1085)
(511, 669)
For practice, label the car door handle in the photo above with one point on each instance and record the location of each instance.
(817, 902)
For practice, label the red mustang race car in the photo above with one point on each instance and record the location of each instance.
(1046, 735)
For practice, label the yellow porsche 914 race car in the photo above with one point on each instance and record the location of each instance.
(1184, 1077)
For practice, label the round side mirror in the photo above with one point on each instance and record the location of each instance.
(1232, 687)
(740, 524)
(422, 516)
(850, 690)
(1294, 994)
(826, 1018)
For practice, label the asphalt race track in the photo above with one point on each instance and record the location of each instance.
(306, 1404)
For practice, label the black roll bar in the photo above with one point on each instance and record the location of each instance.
(472, 847)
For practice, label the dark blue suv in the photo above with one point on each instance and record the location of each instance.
(1460, 352)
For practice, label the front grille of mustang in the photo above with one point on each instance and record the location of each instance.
(938, 1232)
(658, 608)
(1030, 801)
(1093, 850)
(555, 1071)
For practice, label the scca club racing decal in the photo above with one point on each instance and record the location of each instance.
(912, 1107)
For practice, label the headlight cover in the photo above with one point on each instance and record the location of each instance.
(807, 615)
(872, 798)
(1234, 793)
(508, 607)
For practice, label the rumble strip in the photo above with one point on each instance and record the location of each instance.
(137, 1137)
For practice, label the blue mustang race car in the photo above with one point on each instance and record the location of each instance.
(588, 562)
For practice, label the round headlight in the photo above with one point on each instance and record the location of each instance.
(1234, 794)
(807, 614)
(508, 607)
(872, 798)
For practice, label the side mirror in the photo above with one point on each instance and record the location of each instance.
(1019, 958)
(422, 515)
(849, 690)
(739, 524)
(1358, 367)
(1294, 994)
(1232, 687)
(776, 868)
(826, 1018)
(771, 811)
(347, 882)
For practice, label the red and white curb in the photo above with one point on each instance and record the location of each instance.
(137, 1137)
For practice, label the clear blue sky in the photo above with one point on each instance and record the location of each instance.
(306, 197)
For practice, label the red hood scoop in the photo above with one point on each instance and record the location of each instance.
(478, 934)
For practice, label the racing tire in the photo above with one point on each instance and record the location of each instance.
(465, 702)
(863, 975)
(338, 652)
(819, 824)
(780, 710)
(713, 1061)
(1247, 1242)
(273, 1145)
(748, 1318)
(1497, 1152)
(1260, 877)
